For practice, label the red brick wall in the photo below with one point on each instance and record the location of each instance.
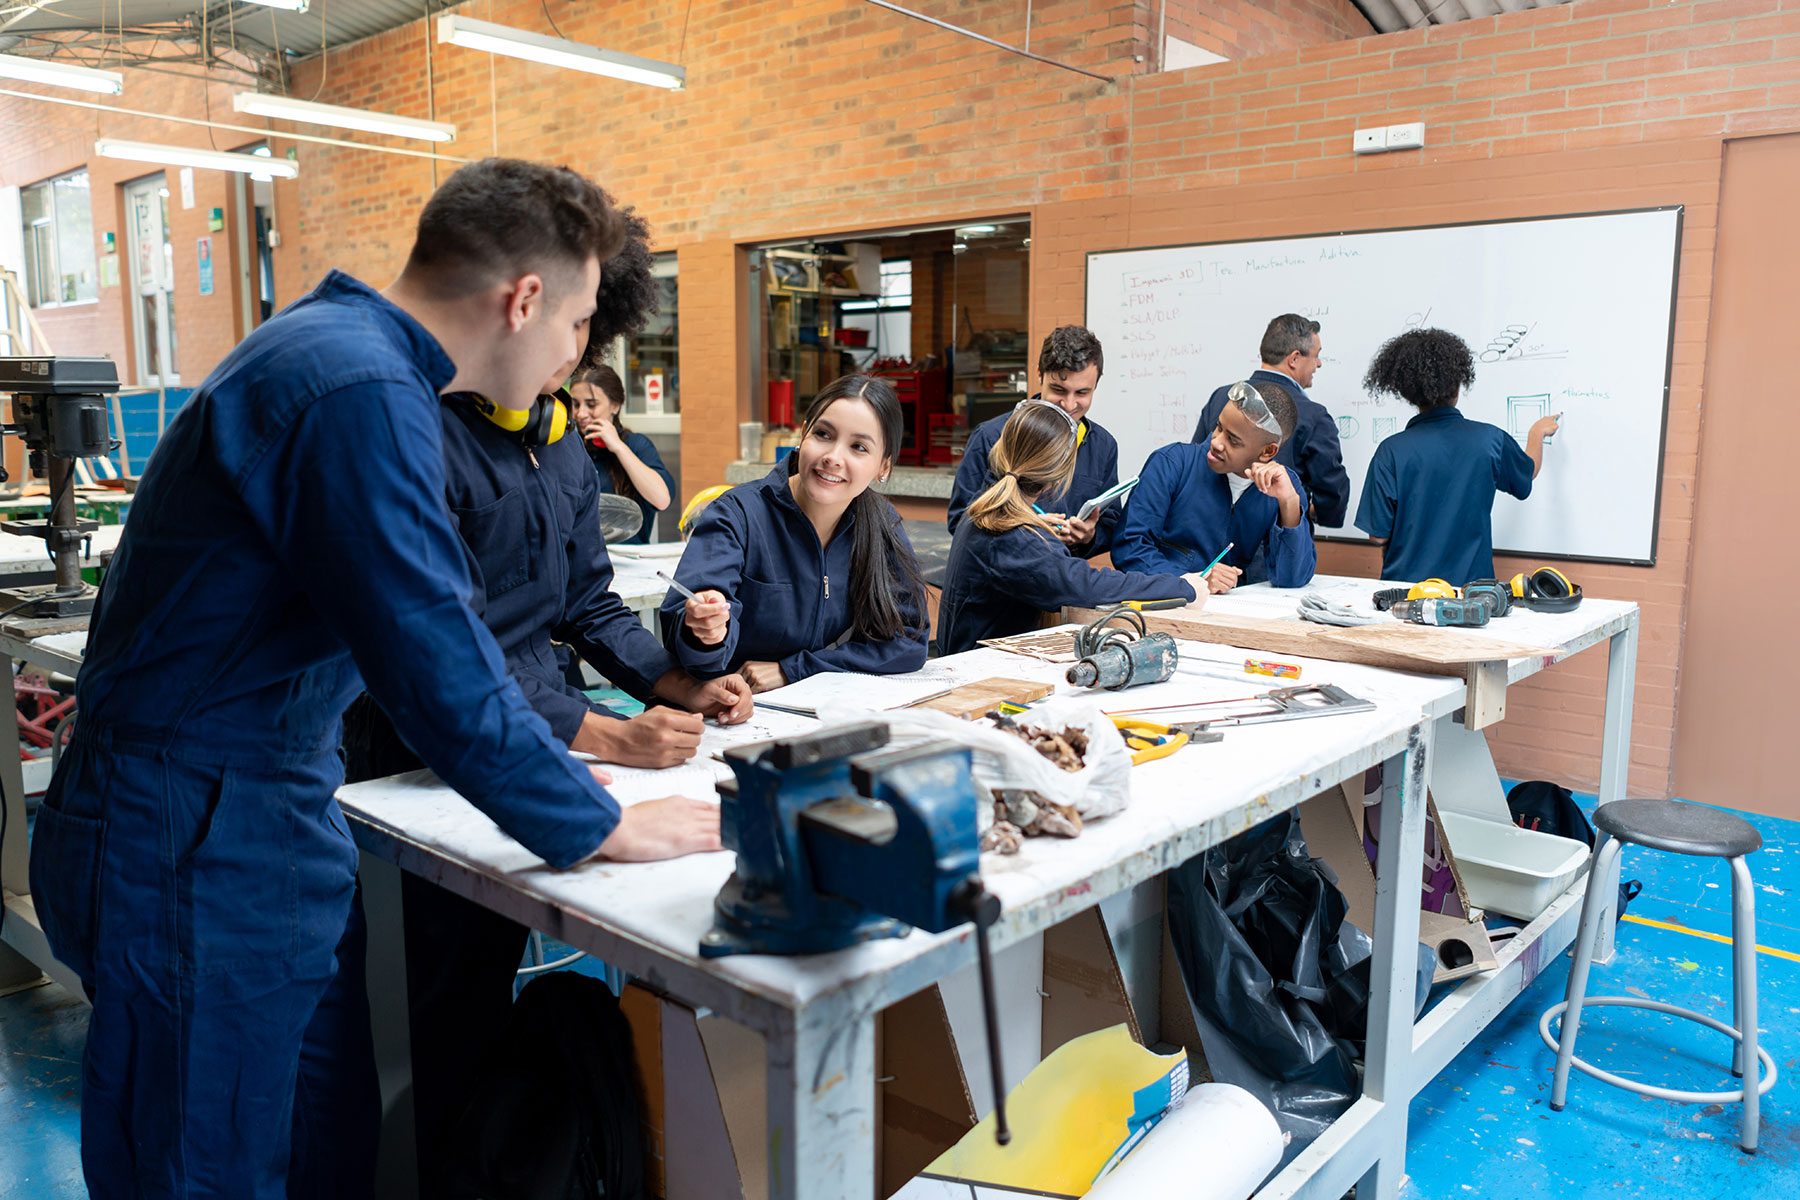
(38, 141)
(1247, 28)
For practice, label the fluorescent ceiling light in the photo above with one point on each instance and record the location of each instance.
(184, 156)
(57, 74)
(286, 108)
(289, 5)
(977, 230)
(557, 52)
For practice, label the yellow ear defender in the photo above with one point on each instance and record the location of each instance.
(543, 423)
(1546, 589)
(1430, 589)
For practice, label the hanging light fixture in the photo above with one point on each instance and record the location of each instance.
(557, 52)
(286, 108)
(59, 74)
(187, 156)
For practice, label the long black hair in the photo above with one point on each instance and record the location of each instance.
(883, 571)
(1424, 367)
(606, 381)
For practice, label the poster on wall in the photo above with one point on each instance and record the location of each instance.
(206, 266)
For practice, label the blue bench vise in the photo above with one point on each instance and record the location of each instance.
(840, 840)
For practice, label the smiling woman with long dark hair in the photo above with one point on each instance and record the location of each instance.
(807, 569)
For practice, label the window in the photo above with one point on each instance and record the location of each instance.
(896, 287)
(59, 242)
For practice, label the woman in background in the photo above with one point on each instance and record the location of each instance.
(628, 463)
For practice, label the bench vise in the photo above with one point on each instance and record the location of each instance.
(840, 840)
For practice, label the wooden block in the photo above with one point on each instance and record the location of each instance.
(1461, 946)
(970, 700)
(1485, 703)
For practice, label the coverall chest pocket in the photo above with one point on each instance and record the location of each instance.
(497, 534)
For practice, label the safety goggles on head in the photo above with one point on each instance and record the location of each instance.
(1250, 402)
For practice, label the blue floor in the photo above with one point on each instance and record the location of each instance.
(1484, 1129)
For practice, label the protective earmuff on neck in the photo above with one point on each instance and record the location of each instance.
(1546, 589)
(539, 425)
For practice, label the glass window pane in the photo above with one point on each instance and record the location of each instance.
(40, 239)
(652, 357)
(77, 274)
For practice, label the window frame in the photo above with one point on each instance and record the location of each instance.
(35, 281)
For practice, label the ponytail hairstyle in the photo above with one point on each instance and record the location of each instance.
(1034, 455)
(605, 380)
(883, 571)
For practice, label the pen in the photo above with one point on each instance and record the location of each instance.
(1209, 566)
(690, 595)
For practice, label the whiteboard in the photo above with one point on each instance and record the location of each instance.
(1568, 315)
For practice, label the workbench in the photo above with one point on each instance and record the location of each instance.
(23, 557)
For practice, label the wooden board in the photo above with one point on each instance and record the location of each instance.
(1400, 647)
(971, 700)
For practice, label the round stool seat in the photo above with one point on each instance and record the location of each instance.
(1679, 828)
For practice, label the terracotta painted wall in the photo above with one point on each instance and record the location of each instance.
(1735, 661)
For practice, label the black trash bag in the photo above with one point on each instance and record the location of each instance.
(557, 1115)
(1550, 808)
(1277, 973)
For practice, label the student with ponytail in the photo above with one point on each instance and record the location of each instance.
(807, 569)
(1007, 565)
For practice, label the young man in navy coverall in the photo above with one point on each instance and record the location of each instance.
(290, 546)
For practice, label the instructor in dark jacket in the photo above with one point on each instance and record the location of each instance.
(1290, 358)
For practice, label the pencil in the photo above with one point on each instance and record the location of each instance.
(1209, 566)
(690, 595)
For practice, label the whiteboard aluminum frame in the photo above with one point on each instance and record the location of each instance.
(1662, 444)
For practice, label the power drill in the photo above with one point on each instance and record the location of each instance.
(1497, 594)
(1468, 614)
(1124, 656)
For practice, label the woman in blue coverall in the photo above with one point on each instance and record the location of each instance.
(1007, 567)
(628, 463)
(808, 568)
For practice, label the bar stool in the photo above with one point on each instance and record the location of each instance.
(1676, 828)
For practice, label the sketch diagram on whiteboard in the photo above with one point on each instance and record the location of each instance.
(1348, 427)
(1509, 345)
(1382, 428)
(1524, 411)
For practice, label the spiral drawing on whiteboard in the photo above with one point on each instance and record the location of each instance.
(1348, 427)
(1509, 345)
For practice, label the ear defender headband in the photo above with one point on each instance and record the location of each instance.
(1430, 589)
(543, 423)
(1546, 589)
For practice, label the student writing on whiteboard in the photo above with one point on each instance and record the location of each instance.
(1193, 501)
(1429, 498)
(1290, 358)
(1006, 566)
(1069, 368)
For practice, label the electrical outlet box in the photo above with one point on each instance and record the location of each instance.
(1406, 137)
(1369, 141)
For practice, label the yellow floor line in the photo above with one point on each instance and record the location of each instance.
(1711, 937)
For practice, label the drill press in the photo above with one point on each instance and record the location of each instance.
(840, 840)
(59, 413)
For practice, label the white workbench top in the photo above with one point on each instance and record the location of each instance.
(21, 554)
(1181, 804)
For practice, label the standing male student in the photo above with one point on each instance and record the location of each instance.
(1069, 367)
(289, 546)
(1290, 358)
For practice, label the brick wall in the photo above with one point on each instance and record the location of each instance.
(1247, 28)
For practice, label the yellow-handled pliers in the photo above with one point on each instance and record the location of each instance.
(1147, 740)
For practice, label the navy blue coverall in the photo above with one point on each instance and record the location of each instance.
(288, 546)
(1181, 515)
(791, 599)
(999, 584)
(1096, 471)
(528, 517)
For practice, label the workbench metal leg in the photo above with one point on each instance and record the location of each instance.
(20, 964)
(1615, 764)
(1388, 1067)
(397, 1166)
(821, 1081)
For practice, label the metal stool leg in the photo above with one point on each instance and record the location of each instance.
(1592, 905)
(1737, 986)
(1743, 955)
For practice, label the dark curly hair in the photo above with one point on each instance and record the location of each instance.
(1424, 367)
(628, 292)
(1068, 349)
(1281, 407)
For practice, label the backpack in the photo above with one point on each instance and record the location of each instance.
(1551, 808)
(558, 1115)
